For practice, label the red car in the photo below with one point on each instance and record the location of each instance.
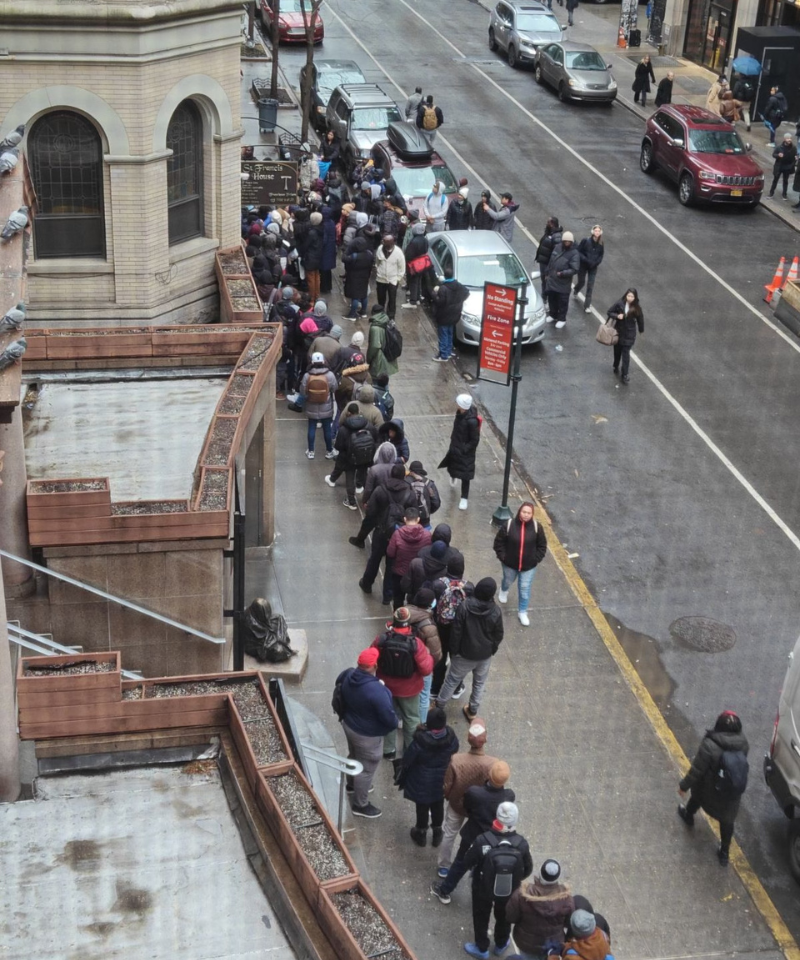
(407, 157)
(291, 24)
(703, 154)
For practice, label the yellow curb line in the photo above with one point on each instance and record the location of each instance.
(741, 864)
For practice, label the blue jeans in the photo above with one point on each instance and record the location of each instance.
(425, 698)
(525, 581)
(445, 341)
(354, 311)
(772, 130)
(326, 433)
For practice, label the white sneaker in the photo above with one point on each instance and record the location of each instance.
(502, 596)
(330, 455)
(408, 305)
(331, 483)
(549, 319)
(588, 310)
(561, 324)
(310, 454)
(463, 503)
(524, 619)
(452, 481)
(359, 489)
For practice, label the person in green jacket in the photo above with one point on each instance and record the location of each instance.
(376, 358)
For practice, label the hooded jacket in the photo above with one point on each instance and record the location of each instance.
(520, 545)
(434, 207)
(350, 425)
(593, 947)
(481, 217)
(776, 108)
(368, 707)
(328, 346)
(425, 628)
(703, 773)
(405, 545)
(540, 912)
(389, 268)
(547, 244)
(380, 471)
(448, 299)
(367, 408)
(319, 411)
(424, 764)
(393, 491)
(564, 264)
(504, 219)
(464, 439)
(400, 443)
(376, 358)
(408, 686)
(442, 532)
(422, 570)
(477, 630)
(459, 214)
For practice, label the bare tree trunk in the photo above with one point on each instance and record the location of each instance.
(275, 40)
(305, 92)
(251, 17)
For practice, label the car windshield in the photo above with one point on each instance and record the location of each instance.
(585, 60)
(331, 79)
(375, 118)
(503, 268)
(537, 23)
(418, 181)
(293, 6)
(715, 141)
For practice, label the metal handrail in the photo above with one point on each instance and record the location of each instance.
(110, 596)
(40, 644)
(343, 765)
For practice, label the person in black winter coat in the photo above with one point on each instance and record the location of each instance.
(664, 90)
(474, 639)
(442, 532)
(394, 432)
(312, 255)
(423, 571)
(641, 80)
(520, 545)
(627, 313)
(481, 219)
(591, 251)
(703, 780)
(358, 263)
(417, 247)
(564, 264)
(775, 111)
(386, 502)
(785, 155)
(448, 299)
(328, 258)
(547, 243)
(464, 439)
(459, 213)
(796, 184)
(354, 474)
(422, 775)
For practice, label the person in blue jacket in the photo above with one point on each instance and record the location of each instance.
(367, 716)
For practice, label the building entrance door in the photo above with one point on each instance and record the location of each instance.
(718, 36)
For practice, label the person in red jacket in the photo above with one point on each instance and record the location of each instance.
(406, 543)
(403, 663)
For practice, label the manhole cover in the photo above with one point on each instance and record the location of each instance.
(703, 634)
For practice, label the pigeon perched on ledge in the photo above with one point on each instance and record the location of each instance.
(13, 139)
(15, 224)
(14, 319)
(13, 353)
(8, 160)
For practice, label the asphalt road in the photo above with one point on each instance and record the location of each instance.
(668, 523)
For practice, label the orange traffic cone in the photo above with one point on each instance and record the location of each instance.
(621, 41)
(777, 280)
(794, 272)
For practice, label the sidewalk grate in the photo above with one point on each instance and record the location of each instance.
(703, 634)
(693, 85)
(656, 61)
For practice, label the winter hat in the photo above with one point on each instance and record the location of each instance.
(424, 598)
(416, 467)
(436, 719)
(357, 339)
(463, 182)
(550, 871)
(418, 230)
(336, 332)
(485, 589)
(499, 772)
(582, 923)
(398, 471)
(455, 566)
(463, 401)
(463, 192)
(316, 219)
(476, 735)
(288, 293)
(566, 235)
(508, 815)
(368, 657)
(273, 228)
(320, 308)
(438, 550)
(401, 617)
(275, 216)
(317, 358)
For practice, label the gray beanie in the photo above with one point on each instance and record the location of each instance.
(336, 332)
(288, 293)
(418, 229)
(320, 308)
(582, 923)
(508, 815)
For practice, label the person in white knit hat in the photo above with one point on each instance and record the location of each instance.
(459, 461)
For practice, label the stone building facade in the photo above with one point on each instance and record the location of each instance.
(132, 140)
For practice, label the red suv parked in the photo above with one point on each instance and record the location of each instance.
(703, 154)
(291, 25)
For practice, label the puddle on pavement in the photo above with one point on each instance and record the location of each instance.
(643, 654)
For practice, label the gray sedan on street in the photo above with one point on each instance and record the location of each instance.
(576, 71)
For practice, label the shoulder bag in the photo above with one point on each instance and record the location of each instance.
(607, 334)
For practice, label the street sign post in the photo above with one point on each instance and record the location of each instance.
(269, 182)
(497, 333)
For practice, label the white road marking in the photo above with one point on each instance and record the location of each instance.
(726, 462)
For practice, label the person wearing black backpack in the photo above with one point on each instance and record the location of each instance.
(385, 511)
(376, 353)
(356, 442)
(717, 779)
(500, 859)
(428, 499)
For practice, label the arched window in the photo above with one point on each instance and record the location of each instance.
(67, 169)
(185, 173)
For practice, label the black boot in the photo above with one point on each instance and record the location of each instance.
(438, 836)
(420, 837)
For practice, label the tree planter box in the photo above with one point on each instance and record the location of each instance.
(98, 346)
(390, 945)
(41, 502)
(210, 493)
(253, 764)
(292, 829)
(227, 308)
(201, 341)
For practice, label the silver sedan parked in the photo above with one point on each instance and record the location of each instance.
(576, 71)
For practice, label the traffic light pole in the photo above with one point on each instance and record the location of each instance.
(503, 514)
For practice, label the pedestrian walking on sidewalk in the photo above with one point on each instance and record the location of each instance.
(714, 96)
(448, 298)
(588, 941)
(428, 499)
(664, 90)
(641, 80)
(403, 663)
(429, 119)
(796, 185)
(717, 779)
(775, 111)
(367, 715)
(470, 769)
(500, 859)
(564, 264)
(743, 91)
(539, 911)
(377, 475)
(385, 510)
(355, 443)
(476, 635)
(520, 545)
(572, 6)
(459, 461)
(376, 349)
(421, 618)
(628, 316)
(390, 268)
(785, 155)
(591, 250)
(405, 544)
(317, 387)
(421, 776)
(547, 243)
(451, 591)
(412, 105)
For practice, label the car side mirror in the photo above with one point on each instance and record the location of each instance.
(563, 27)
(678, 142)
(609, 66)
(748, 147)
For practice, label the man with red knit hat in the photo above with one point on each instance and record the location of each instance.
(367, 715)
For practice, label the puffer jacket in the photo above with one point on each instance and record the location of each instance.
(593, 947)
(425, 628)
(409, 686)
(368, 707)
(376, 358)
(477, 630)
(319, 411)
(563, 266)
(464, 439)
(405, 545)
(425, 763)
(540, 912)
(442, 532)
(422, 570)
(393, 491)
(347, 427)
(591, 253)
(480, 806)
(626, 328)
(702, 775)
(400, 443)
(519, 545)
(459, 214)
(448, 299)
(547, 244)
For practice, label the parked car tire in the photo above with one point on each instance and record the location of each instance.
(646, 161)
(563, 93)
(512, 57)
(492, 41)
(686, 190)
(538, 75)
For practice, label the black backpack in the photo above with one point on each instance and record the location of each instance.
(731, 779)
(503, 865)
(362, 447)
(337, 700)
(393, 341)
(394, 517)
(396, 656)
